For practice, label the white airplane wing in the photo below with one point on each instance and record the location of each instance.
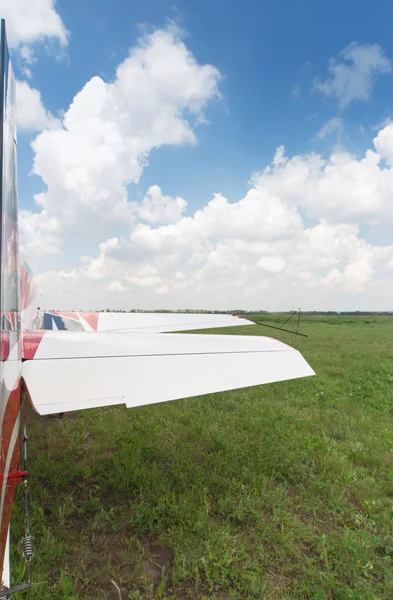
(138, 322)
(65, 371)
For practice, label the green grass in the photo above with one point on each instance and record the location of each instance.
(281, 491)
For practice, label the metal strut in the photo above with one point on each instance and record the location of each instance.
(27, 540)
(297, 332)
(5, 592)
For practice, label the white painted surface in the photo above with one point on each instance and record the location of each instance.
(93, 369)
(6, 578)
(146, 322)
(165, 322)
(74, 344)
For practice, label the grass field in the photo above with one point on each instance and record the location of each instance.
(283, 491)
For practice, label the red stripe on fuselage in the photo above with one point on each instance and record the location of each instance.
(10, 418)
(4, 344)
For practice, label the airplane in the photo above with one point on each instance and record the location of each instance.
(71, 361)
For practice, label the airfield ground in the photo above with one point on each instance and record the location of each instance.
(283, 491)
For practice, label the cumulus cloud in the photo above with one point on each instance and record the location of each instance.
(31, 114)
(39, 233)
(156, 98)
(257, 252)
(327, 266)
(117, 286)
(31, 22)
(384, 143)
(341, 188)
(158, 208)
(353, 74)
(293, 240)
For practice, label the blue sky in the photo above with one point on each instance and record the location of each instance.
(269, 56)
(263, 50)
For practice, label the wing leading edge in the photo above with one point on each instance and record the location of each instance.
(77, 370)
(139, 322)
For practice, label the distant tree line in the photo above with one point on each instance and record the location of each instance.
(240, 311)
(324, 313)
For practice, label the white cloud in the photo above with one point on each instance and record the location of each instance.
(32, 21)
(384, 143)
(381, 124)
(157, 208)
(293, 240)
(257, 216)
(27, 72)
(341, 188)
(27, 54)
(328, 266)
(353, 74)
(39, 233)
(333, 126)
(28, 57)
(117, 286)
(31, 114)
(257, 252)
(272, 264)
(164, 289)
(107, 134)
